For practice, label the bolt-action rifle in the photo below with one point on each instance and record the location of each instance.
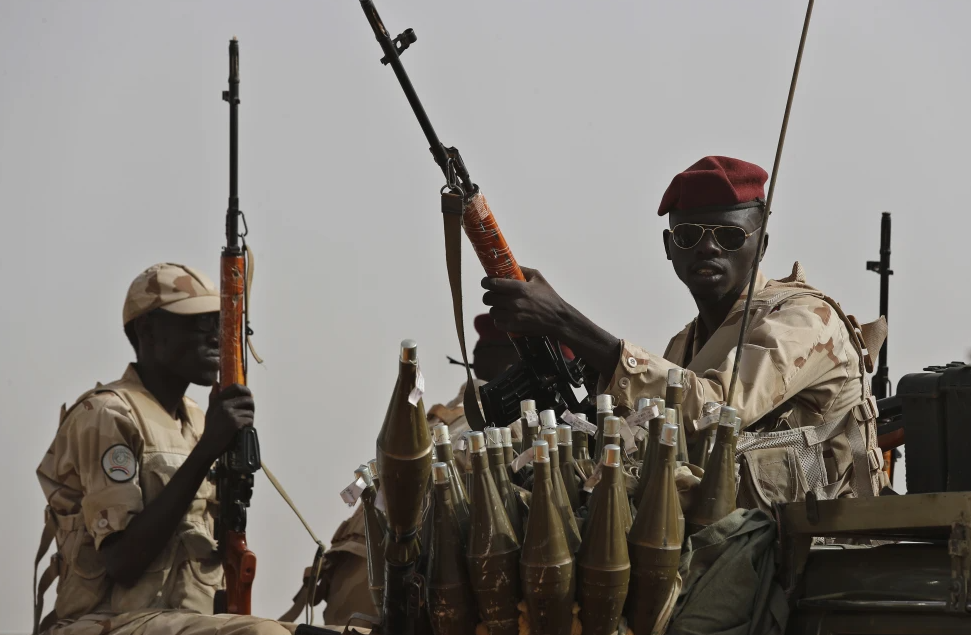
(543, 374)
(233, 472)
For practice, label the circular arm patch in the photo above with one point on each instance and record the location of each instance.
(119, 463)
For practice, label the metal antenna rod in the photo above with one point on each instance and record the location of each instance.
(768, 207)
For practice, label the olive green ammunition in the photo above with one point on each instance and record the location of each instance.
(581, 450)
(507, 450)
(564, 445)
(546, 566)
(530, 424)
(460, 499)
(404, 462)
(637, 453)
(602, 562)
(500, 476)
(674, 397)
(451, 606)
(649, 455)
(605, 408)
(560, 496)
(375, 533)
(654, 541)
(715, 497)
(493, 549)
(611, 431)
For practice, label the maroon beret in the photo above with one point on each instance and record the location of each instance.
(715, 183)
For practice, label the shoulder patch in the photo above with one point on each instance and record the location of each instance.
(119, 463)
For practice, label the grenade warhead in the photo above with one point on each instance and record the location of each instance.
(529, 421)
(715, 497)
(602, 562)
(581, 450)
(451, 606)
(460, 500)
(493, 549)
(649, 455)
(375, 533)
(564, 444)
(654, 541)
(547, 560)
(560, 497)
(605, 408)
(404, 461)
(500, 475)
(674, 398)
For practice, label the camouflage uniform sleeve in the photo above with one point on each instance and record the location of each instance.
(789, 348)
(101, 443)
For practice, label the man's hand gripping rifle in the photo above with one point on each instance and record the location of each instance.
(543, 373)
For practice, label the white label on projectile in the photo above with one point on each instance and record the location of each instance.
(594, 478)
(522, 459)
(641, 417)
(625, 433)
(352, 492)
(710, 414)
(415, 396)
(532, 419)
(578, 424)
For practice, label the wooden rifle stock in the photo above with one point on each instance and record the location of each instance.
(490, 246)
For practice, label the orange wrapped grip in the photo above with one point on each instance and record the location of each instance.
(232, 284)
(487, 240)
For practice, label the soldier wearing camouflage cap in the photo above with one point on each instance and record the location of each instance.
(129, 503)
(804, 363)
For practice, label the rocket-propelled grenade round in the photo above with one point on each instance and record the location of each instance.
(564, 443)
(493, 549)
(460, 499)
(605, 408)
(560, 496)
(500, 475)
(649, 457)
(546, 566)
(603, 563)
(654, 541)
(674, 397)
(404, 462)
(451, 607)
(716, 493)
(375, 533)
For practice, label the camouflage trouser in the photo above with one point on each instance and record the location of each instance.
(162, 622)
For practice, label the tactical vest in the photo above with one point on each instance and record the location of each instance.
(187, 572)
(782, 466)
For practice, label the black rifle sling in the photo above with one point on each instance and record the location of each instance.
(452, 208)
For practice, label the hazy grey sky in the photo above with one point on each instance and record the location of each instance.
(572, 117)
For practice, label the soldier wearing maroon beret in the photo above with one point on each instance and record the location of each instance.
(803, 370)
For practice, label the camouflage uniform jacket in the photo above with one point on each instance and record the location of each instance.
(114, 452)
(803, 367)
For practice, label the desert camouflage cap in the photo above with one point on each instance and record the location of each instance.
(173, 287)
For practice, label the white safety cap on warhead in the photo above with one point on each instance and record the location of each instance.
(506, 434)
(605, 403)
(439, 473)
(612, 426)
(612, 455)
(547, 419)
(669, 434)
(527, 405)
(440, 434)
(477, 442)
(564, 434)
(541, 451)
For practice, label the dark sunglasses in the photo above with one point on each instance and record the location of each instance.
(728, 237)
